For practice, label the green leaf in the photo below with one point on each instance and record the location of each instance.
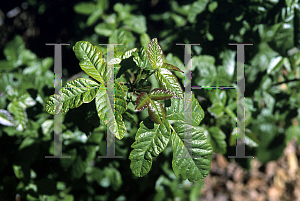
(75, 93)
(120, 102)
(101, 102)
(103, 29)
(196, 8)
(142, 101)
(20, 115)
(160, 94)
(176, 111)
(156, 112)
(6, 118)
(171, 67)
(179, 20)
(129, 117)
(207, 70)
(217, 139)
(168, 80)
(128, 53)
(275, 64)
(217, 110)
(124, 36)
(145, 39)
(250, 138)
(90, 59)
(121, 127)
(137, 23)
(155, 54)
(212, 6)
(13, 49)
(27, 100)
(85, 8)
(142, 60)
(194, 165)
(94, 17)
(149, 142)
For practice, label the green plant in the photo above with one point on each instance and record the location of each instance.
(165, 123)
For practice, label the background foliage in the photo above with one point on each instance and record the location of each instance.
(26, 71)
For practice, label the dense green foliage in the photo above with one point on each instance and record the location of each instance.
(272, 98)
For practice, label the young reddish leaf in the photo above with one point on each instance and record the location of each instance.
(171, 67)
(142, 101)
(155, 54)
(161, 94)
(156, 112)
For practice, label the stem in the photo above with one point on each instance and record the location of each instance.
(286, 81)
(150, 74)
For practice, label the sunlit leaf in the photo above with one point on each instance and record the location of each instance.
(155, 54)
(149, 142)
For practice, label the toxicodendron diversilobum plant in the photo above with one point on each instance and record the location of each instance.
(165, 106)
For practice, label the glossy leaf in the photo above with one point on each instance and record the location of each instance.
(176, 111)
(120, 102)
(156, 112)
(129, 53)
(168, 80)
(155, 54)
(142, 101)
(90, 59)
(121, 130)
(160, 94)
(148, 144)
(6, 118)
(75, 93)
(171, 67)
(142, 60)
(101, 102)
(192, 165)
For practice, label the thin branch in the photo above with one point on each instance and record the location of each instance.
(286, 81)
